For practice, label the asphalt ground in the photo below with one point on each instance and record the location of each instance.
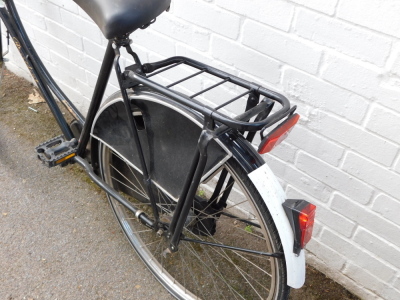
(58, 236)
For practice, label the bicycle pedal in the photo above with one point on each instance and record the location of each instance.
(57, 151)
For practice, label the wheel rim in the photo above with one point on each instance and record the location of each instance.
(198, 271)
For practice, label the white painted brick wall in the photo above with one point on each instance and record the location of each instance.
(338, 60)
(281, 46)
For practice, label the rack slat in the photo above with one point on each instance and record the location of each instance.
(209, 88)
(165, 69)
(186, 78)
(232, 100)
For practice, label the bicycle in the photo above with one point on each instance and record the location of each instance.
(194, 198)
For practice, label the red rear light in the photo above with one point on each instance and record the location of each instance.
(301, 216)
(276, 136)
(306, 223)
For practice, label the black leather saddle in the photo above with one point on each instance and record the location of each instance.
(118, 17)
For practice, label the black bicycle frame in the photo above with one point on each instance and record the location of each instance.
(47, 86)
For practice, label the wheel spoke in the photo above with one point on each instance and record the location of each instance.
(220, 276)
(184, 262)
(162, 197)
(136, 191)
(223, 253)
(120, 173)
(226, 220)
(131, 171)
(216, 270)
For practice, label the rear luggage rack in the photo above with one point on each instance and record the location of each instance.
(255, 115)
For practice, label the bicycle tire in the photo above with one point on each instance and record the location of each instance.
(199, 271)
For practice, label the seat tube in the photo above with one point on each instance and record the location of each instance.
(97, 97)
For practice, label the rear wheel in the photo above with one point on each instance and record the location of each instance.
(198, 271)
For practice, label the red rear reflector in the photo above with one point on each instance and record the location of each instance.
(306, 224)
(276, 136)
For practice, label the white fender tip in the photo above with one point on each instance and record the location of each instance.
(273, 195)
